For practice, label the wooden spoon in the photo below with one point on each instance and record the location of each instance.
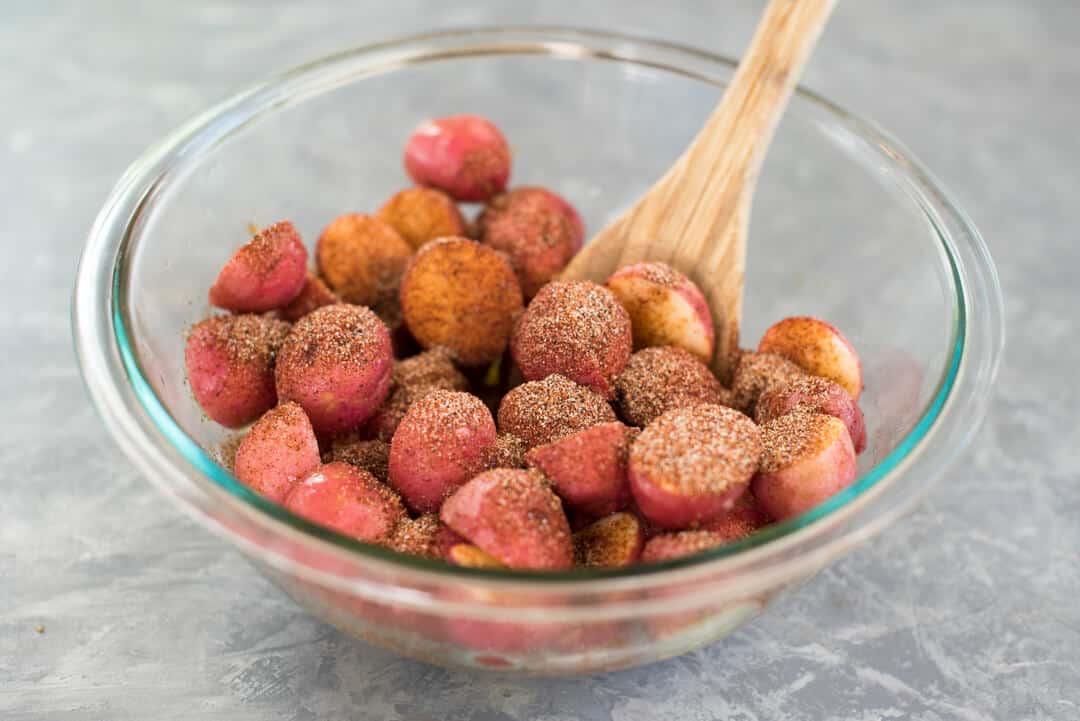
(695, 218)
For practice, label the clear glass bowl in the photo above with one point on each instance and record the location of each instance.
(846, 225)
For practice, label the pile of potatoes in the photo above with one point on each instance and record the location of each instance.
(434, 388)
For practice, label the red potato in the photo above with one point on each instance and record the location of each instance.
(348, 500)
(611, 542)
(230, 366)
(669, 546)
(692, 464)
(414, 378)
(425, 536)
(372, 456)
(266, 273)
(818, 348)
(665, 307)
(808, 458)
(538, 230)
(362, 258)
(421, 215)
(278, 451)
(509, 452)
(314, 294)
(577, 329)
(660, 379)
(463, 296)
(336, 363)
(540, 412)
(444, 439)
(464, 155)
(587, 469)
(514, 516)
(816, 394)
(744, 519)
(756, 373)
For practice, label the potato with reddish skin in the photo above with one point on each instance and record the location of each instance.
(577, 329)
(514, 516)
(315, 294)
(587, 469)
(362, 258)
(808, 458)
(414, 378)
(266, 273)
(277, 452)
(660, 379)
(817, 347)
(669, 546)
(348, 500)
(425, 536)
(444, 439)
(464, 155)
(612, 542)
(665, 307)
(816, 394)
(230, 366)
(421, 215)
(540, 412)
(538, 230)
(336, 363)
(744, 519)
(756, 373)
(463, 296)
(692, 464)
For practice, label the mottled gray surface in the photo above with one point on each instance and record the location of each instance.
(968, 610)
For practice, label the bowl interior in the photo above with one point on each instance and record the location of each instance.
(834, 233)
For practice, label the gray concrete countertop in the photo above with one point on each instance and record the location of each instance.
(967, 610)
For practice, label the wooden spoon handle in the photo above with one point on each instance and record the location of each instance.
(731, 146)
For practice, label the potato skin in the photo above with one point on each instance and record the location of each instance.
(514, 516)
(444, 439)
(348, 500)
(587, 469)
(230, 366)
(816, 394)
(819, 348)
(266, 273)
(465, 156)
(278, 451)
(336, 363)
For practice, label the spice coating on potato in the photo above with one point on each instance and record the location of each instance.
(611, 542)
(543, 411)
(277, 452)
(362, 258)
(691, 464)
(665, 307)
(756, 373)
(657, 380)
(538, 230)
(816, 394)
(266, 273)
(414, 378)
(421, 215)
(336, 363)
(817, 347)
(463, 296)
(230, 366)
(514, 516)
(808, 458)
(444, 439)
(576, 329)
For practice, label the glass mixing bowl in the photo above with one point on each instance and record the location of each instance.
(846, 226)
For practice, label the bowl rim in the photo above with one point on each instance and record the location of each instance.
(108, 358)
